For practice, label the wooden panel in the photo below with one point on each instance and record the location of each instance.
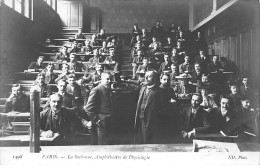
(71, 13)
(225, 48)
(63, 11)
(233, 48)
(75, 15)
(245, 53)
(94, 20)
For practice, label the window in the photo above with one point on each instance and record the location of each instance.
(18, 6)
(9, 3)
(24, 7)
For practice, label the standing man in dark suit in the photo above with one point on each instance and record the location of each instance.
(100, 109)
(149, 107)
(194, 118)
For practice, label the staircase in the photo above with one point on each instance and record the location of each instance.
(126, 68)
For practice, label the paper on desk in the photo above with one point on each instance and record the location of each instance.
(16, 114)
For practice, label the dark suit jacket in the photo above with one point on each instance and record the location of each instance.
(21, 105)
(200, 121)
(165, 67)
(62, 127)
(99, 106)
(76, 93)
(153, 108)
(77, 67)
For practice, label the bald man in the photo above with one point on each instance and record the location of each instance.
(99, 108)
(149, 107)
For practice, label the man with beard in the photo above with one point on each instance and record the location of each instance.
(194, 119)
(220, 117)
(150, 105)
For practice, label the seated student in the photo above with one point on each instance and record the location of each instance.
(50, 76)
(41, 87)
(208, 102)
(94, 42)
(157, 30)
(142, 69)
(225, 66)
(234, 96)
(17, 101)
(205, 81)
(101, 37)
(104, 50)
(168, 46)
(96, 77)
(175, 58)
(181, 39)
(194, 119)
(65, 72)
(55, 121)
(145, 37)
(135, 50)
(112, 59)
(74, 89)
(37, 66)
(181, 52)
(113, 43)
(75, 65)
(136, 31)
(195, 77)
(165, 85)
(245, 89)
(173, 74)
(172, 31)
(156, 56)
(85, 89)
(80, 34)
(219, 117)
(139, 42)
(63, 55)
(203, 61)
(97, 58)
(155, 42)
(87, 49)
(185, 67)
(75, 47)
(215, 65)
(68, 100)
(166, 65)
(137, 59)
(250, 124)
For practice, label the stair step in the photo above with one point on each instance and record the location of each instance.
(2, 108)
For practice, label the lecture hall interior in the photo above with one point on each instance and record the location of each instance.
(132, 74)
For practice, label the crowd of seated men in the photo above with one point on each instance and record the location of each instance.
(216, 104)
